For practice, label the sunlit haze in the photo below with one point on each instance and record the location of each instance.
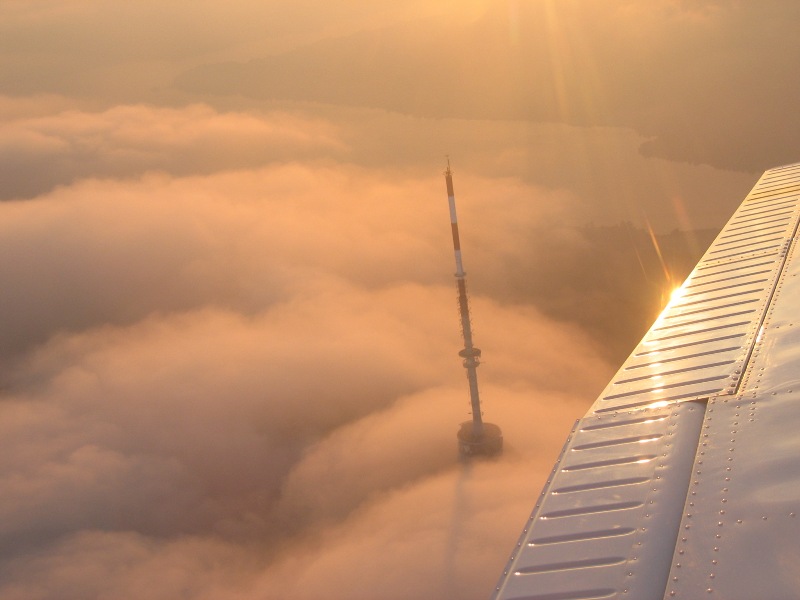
(228, 361)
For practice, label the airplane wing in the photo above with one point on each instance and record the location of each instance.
(683, 479)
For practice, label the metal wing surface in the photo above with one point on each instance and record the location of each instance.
(683, 479)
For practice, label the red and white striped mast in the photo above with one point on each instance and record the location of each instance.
(475, 437)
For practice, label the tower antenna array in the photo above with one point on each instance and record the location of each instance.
(474, 437)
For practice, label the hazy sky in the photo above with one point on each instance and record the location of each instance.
(228, 360)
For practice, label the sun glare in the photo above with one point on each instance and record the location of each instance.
(658, 404)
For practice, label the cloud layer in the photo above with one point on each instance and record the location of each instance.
(234, 369)
(42, 151)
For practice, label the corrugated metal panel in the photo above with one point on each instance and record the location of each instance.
(740, 532)
(611, 510)
(608, 521)
(697, 347)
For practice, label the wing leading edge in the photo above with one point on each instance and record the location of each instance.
(683, 479)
